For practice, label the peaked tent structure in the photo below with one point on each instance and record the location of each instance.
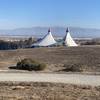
(48, 40)
(68, 40)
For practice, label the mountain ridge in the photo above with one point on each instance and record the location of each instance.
(76, 32)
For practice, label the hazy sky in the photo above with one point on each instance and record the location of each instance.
(29, 13)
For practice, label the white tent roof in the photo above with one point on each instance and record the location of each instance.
(68, 40)
(46, 41)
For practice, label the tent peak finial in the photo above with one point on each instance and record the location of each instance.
(67, 30)
(49, 30)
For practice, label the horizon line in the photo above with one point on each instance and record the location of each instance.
(50, 27)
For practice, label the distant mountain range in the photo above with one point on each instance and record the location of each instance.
(76, 32)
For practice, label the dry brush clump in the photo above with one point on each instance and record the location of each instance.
(75, 67)
(30, 64)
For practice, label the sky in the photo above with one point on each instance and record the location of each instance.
(30, 13)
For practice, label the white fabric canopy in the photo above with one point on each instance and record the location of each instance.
(48, 40)
(68, 40)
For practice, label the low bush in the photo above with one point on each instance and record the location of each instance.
(30, 64)
(73, 68)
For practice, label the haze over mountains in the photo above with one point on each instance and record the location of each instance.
(76, 32)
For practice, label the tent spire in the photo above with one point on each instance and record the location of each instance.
(49, 30)
(67, 30)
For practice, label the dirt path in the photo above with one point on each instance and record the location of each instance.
(93, 80)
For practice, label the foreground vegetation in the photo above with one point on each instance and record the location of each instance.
(29, 64)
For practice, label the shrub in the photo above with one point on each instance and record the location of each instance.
(30, 64)
(73, 67)
(41, 66)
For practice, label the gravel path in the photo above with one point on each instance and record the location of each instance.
(93, 80)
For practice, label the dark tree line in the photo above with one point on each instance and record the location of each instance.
(6, 45)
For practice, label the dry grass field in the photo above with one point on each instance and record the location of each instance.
(47, 91)
(87, 57)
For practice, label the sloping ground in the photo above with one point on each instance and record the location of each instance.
(47, 91)
(87, 55)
